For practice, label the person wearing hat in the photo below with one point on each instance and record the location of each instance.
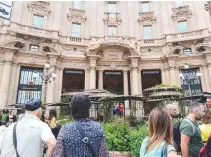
(31, 134)
(83, 137)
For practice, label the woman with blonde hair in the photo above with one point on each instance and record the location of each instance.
(160, 140)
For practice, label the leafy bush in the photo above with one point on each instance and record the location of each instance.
(121, 137)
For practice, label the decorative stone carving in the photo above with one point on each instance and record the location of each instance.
(125, 55)
(39, 6)
(146, 17)
(76, 15)
(49, 49)
(112, 18)
(76, 49)
(181, 13)
(100, 54)
(177, 50)
(151, 50)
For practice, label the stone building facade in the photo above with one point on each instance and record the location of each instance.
(123, 47)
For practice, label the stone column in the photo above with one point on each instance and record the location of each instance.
(60, 83)
(206, 78)
(135, 81)
(139, 82)
(177, 78)
(92, 78)
(100, 79)
(204, 88)
(50, 87)
(209, 71)
(163, 72)
(12, 86)
(5, 80)
(172, 76)
(86, 79)
(16, 84)
(125, 79)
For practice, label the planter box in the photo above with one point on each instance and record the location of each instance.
(119, 154)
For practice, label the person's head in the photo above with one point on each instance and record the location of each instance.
(172, 109)
(207, 117)
(34, 107)
(80, 105)
(159, 125)
(197, 109)
(208, 103)
(5, 111)
(52, 113)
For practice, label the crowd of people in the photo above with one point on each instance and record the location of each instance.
(28, 136)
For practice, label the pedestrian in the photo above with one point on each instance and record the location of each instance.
(191, 140)
(83, 137)
(29, 134)
(160, 140)
(121, 110)
(206, 126)
(12, 118)
(172, 110)
(55, 127)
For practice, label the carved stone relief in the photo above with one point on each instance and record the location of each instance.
(147, 17)
(40, 6)
(73, 50)
(112, 18)
(151, 50)
(76, 15)
(181, 13)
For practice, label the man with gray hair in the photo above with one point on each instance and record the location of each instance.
(27, 137)
(172, 109)
(191, 140)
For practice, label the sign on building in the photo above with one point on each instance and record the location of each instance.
(5, 9)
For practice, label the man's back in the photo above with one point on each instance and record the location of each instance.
(190, 128)
(30, 134)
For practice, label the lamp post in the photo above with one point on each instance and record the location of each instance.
(47, 77)
(188, 77)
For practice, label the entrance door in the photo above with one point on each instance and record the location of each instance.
(150, 78)
(113, 81)
(73, 80)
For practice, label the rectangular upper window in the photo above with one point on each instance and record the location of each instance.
(112, 30)
(112, 7)
(145, 7)
(77, 4)
(34, 47)
(182, 26)
(147, 32)
(178, 4)
(38, 21)
(76, 30)
(187, 51)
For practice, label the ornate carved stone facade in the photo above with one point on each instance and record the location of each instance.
(94, 51)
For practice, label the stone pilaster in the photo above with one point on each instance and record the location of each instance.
(139, 82)
(206, 76)
(92, 78)
(204, 88)
(86, 79)
(163, 72)
(135, 81)
(58, 84)
(100, 79)
(125, 79)
(5, 80)
(173, 76)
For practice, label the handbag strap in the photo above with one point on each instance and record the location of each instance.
(86, 140)
(15, 139)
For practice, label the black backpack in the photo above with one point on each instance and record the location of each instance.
(177, 136)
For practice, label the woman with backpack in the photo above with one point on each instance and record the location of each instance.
(160, 140)
(83, 137)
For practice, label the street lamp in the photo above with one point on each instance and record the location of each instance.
(188, 77)
(47, 77)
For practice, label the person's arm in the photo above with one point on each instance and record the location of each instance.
(184, 145)
(103, 150)
(172, 154)
(59, 148)
(48, 137)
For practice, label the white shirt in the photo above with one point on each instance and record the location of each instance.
(31, 135)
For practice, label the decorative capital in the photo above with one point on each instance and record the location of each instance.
(146, 17)
(181, 13)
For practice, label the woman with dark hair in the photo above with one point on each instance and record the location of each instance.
(160, 140)
(83, 137)
(53, 122)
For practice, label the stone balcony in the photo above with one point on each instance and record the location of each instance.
(33, 31)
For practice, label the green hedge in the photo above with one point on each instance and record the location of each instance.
(121, 137)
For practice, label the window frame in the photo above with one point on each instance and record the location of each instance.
(185, 49)
(110, 3)
(113, 27)
(179, 4)
(76, 7)
(145, 26)
(33, 49)
(143, 3)
(178, 26)
(40, 16)
(75, 23)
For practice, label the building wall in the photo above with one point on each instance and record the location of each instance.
(94, 49)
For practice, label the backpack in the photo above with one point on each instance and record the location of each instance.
(177, 134)
(206, 149)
